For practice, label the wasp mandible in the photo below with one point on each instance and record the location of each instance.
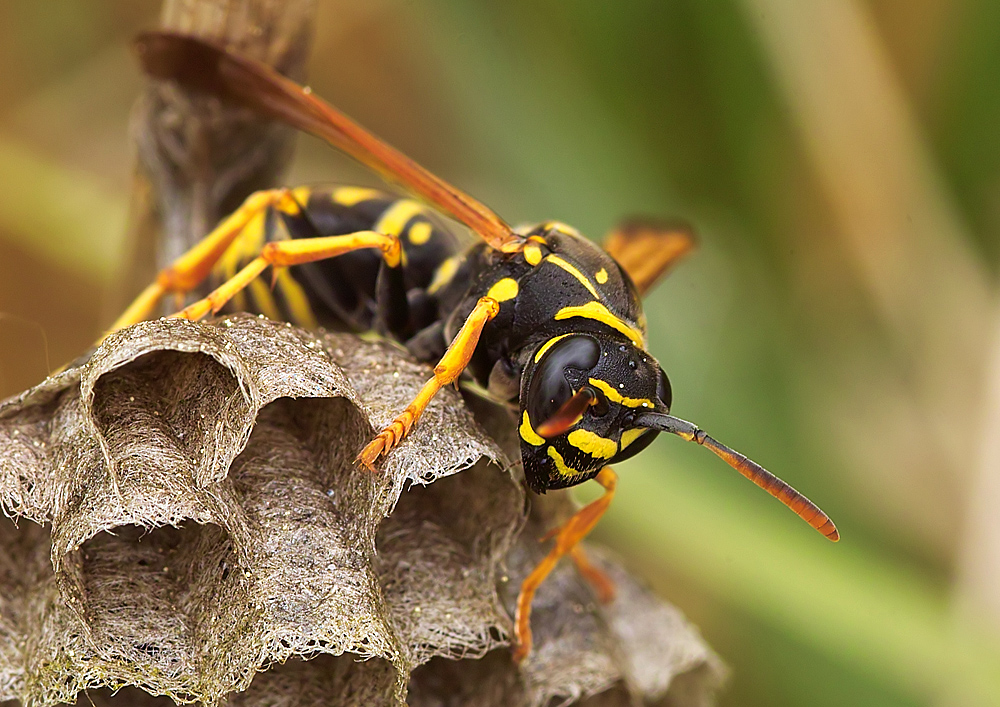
(539, 314)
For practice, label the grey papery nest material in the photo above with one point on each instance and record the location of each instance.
(186, 518)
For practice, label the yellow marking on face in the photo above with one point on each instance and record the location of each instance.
(597, 311)
(444, 273)
(296, 299)
(349, 196)
(263, 299)
(394, 219)
(616, 397)
(629, 436)
(601, 276)
(532, 254)
(528, 433)
(592, 444)
(419, 233)
(547, 345)
(503, 290)
(560, 463)
(556, 260)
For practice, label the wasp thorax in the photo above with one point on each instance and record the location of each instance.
(580, 397)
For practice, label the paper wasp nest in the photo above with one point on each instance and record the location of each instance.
(185, 520)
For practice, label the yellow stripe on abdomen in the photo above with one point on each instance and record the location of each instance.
(394, 219)
(349, 196)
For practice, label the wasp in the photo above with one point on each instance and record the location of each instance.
(538, 315)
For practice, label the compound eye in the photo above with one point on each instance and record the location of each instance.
(552, 381)
(663, 391)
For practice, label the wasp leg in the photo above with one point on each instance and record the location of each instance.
(392, 306)
(567, 537)
(191, 269)
(281, 254)
(449, 368)
(598, 579)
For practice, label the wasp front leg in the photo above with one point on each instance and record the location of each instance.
(567, 539)
(449, 368)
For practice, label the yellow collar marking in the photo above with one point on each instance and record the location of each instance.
(596, 310)
(629, 436)
(349, 196)
(548, 345)
(419, 233)
(394, 219)
(592, 444)
(503, 290)
(616, 397)
(556, 260)
(561, 228)
(560, 464)
(532, 254)
(443, 275)
(601, 276)
(528, 433)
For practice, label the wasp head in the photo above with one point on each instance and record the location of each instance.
(580, 397)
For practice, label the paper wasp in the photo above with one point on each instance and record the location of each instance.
(536, 314)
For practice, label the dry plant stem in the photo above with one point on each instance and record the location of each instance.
(197, 158)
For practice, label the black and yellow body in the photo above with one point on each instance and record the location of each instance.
(539, 315)
(569, 316)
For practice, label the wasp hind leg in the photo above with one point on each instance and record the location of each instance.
(567, 539)
(283, 254)
(449, 368)
(190, 270)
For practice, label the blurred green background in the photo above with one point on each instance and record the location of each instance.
(839, 324)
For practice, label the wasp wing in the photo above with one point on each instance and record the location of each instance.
(647, 249)
(200, 65)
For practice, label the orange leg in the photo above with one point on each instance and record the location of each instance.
(567, 537)
(191, 269)
(598, 579)
(449, 368)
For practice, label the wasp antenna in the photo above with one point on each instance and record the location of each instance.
(799, 504)
(567, 415)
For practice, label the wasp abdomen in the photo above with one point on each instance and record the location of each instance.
(343, 292)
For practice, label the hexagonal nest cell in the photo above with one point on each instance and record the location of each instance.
(185, 523)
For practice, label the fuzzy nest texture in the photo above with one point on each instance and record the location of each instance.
(185, 523)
